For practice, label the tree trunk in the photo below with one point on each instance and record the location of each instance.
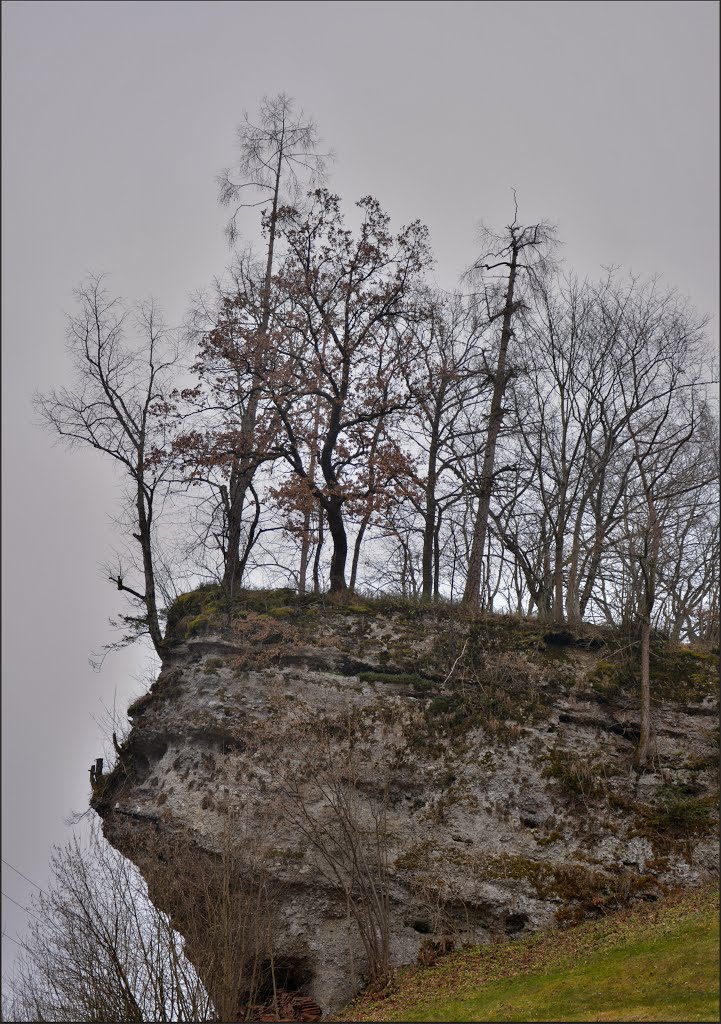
(238, 486)
(304, 554)
(649, 564)
(573, 596)
(558, 609)
(430, 536)
(250, 541)
(144, 538)
(544, 605)
(334, 514)
(356, 551)
(306, 541)
(645, 736)
(318, 549)
(437, 558)
(429, 541)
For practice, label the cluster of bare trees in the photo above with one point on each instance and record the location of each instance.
(534, 442)
(97, 948)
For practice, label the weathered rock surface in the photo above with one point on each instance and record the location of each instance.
(486, 770)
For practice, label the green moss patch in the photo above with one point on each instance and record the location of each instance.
(678, 674)
(585, 890)
(194, 612)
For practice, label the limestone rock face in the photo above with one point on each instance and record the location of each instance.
(469, 779)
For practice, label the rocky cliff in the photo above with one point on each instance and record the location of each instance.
(388, 781)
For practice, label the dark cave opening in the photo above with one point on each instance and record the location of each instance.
(290, 974)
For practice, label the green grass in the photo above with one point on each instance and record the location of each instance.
(657, 962)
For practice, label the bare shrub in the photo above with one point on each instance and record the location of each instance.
(226, 905)
(349, 835)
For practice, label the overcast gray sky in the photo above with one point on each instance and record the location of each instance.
(116, 118)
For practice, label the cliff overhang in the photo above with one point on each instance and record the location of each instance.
(384, 780)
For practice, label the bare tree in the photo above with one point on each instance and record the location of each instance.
(99, 948)
(666, 472)
(446, 382)
(111, 407)
(274, 155)
(596, 360)
(569, 427)
(227, 905)
(688, 574)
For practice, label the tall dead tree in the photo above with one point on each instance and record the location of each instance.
(507, 253)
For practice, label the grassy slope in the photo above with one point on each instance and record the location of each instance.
(657, 962)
